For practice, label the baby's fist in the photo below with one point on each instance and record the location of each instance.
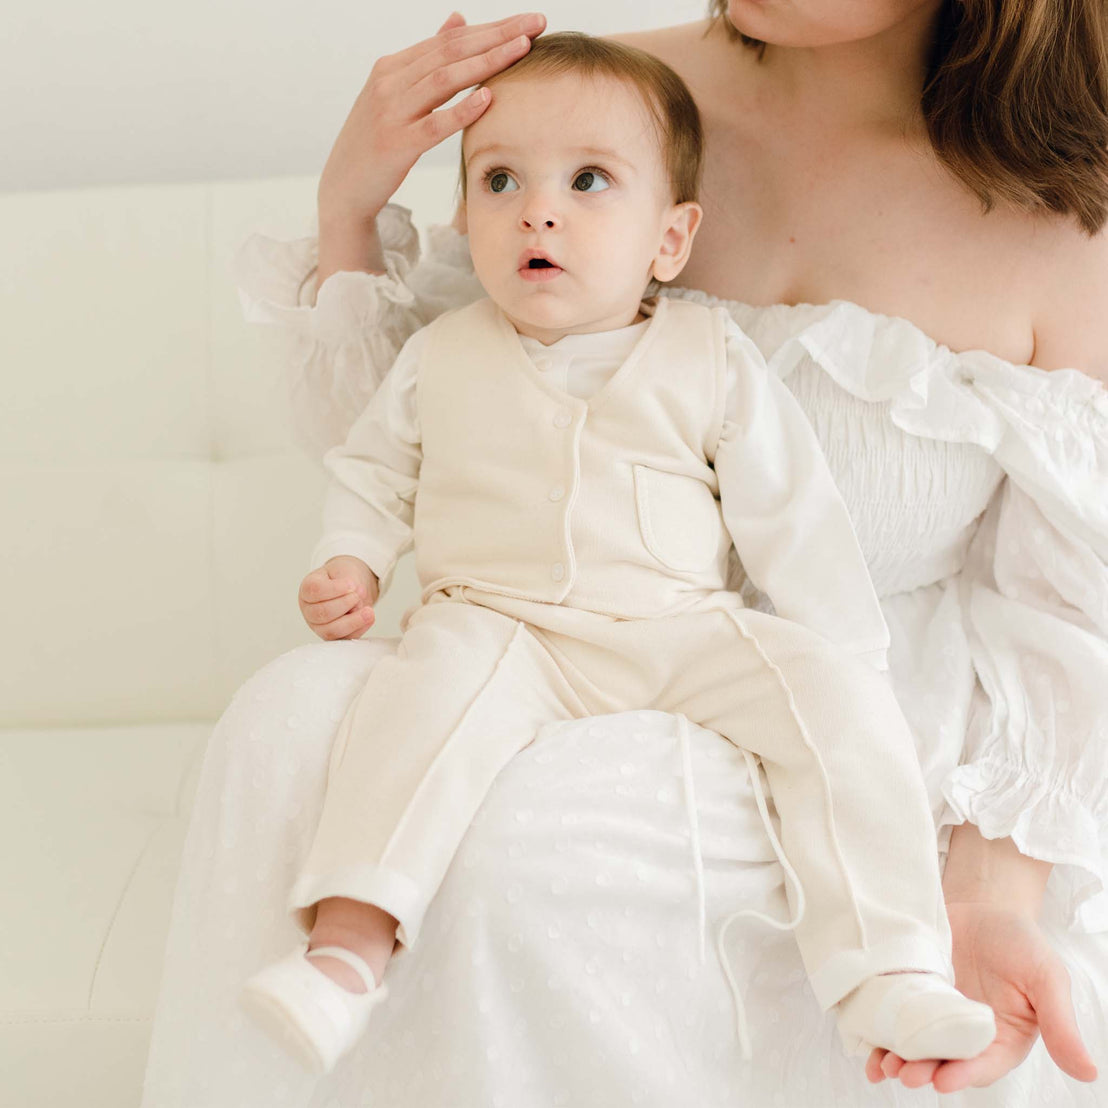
(337, 599)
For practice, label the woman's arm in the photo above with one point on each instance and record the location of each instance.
(994, 872)
(344, 304)
(994, 892)
(1071, 332)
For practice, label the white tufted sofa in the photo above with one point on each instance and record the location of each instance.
(157, 518)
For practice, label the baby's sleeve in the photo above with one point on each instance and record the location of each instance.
(338, 344)
(369, 505)
(790, 526)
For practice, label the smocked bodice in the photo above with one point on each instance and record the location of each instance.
(978, 490)
(914, 501)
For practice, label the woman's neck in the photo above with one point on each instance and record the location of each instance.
(876, 81)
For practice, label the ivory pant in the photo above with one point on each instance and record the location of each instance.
(477, 674)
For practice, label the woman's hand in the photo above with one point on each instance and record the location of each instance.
(394, 120)
(1001, 957)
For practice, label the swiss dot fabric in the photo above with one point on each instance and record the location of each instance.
(561, 963)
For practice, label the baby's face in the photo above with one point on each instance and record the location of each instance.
(567, 203)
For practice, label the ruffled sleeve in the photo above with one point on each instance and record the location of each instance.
(338, 350)
(1032, 590)
(1034, 595)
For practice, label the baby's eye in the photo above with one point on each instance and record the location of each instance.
(499, 181)
(589, 180)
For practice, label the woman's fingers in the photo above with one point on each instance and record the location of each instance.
(454, 19)
(442, 124)
(1012, 1044)
(441, 84)
(488, 34)
(1051, 997)
(953, 1077)
(465, 57)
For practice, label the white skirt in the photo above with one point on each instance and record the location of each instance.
(560, 963)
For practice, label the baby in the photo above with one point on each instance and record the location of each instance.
(573, 463)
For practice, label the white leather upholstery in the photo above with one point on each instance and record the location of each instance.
(157, 519)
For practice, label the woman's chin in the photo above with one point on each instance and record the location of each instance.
(748, 17)
(832, 24)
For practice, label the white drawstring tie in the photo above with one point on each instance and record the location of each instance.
(698, 865)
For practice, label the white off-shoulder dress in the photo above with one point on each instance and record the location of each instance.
(561, 963)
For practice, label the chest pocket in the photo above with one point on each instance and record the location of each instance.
(679, 519)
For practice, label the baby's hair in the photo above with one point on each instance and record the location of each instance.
(671, 105)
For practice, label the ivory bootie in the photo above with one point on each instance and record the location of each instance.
(915, 1015)
(313, 1017)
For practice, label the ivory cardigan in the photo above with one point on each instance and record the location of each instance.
(626, 503)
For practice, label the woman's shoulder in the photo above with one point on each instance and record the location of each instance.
(686, 47)
(708, 60)
(1070, 319)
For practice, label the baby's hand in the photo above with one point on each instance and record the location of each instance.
(337, 599)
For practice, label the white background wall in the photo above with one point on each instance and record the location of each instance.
(136, 91)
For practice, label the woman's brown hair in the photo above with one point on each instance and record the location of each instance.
(1016, 101)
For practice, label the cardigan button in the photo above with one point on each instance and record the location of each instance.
(556, 493)
(563, 419)
(557, 571)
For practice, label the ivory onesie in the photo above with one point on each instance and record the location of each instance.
(573, 559)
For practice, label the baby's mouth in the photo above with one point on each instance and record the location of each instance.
(537, 262)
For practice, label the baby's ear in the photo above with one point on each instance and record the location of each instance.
(677, 240)
(459, 222)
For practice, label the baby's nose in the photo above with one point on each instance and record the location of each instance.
(539, 217)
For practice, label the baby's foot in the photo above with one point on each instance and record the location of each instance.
(339, 972)
(312, 1013)
(915, 1015)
